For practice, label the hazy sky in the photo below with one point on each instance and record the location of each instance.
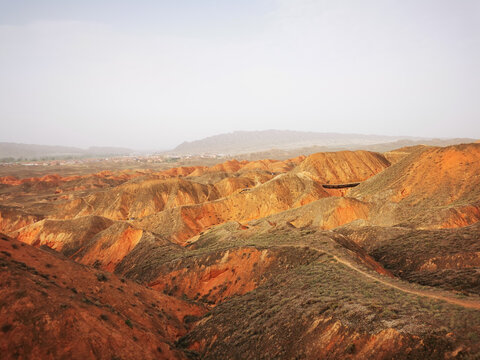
(151, 74)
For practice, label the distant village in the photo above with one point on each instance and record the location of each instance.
(125, 159)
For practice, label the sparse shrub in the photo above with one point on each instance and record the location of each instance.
(129, 323)
(181, 343)
(333, 306)
(7, 327)
(473, 336)
(190, 319)
(20, 294)
(87, 300)
(350, 349)
(101, 277)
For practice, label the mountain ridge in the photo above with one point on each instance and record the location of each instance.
(244, 142)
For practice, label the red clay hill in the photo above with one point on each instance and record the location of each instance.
(350, 254)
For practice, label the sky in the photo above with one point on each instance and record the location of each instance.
(151, 74)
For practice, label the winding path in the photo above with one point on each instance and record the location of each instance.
(470, 304)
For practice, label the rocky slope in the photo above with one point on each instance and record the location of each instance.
(52, 308)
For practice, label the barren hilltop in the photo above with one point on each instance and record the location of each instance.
(347, 254)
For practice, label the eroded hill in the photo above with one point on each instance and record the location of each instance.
(262, 259)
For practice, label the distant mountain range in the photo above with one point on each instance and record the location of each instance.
(278, 144)
(244, 142)
(31, 151)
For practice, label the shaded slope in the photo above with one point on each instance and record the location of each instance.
(224, 250)
(215, 277)
(325, 304)
(299, 314)
(446, 258)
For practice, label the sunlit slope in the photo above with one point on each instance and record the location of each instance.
(68, 183)
(294, 189)
(90, 240)
(139, 199)
(432, 187)
(274, 196)
(63, 235)
(343, 166)
(171, 188)
(326, 213)
(428, 188)
(180, 208)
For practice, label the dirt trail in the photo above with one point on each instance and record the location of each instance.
(471, 304)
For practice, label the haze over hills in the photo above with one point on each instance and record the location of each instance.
(31, 151)
(242, 142)
(251, 145)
